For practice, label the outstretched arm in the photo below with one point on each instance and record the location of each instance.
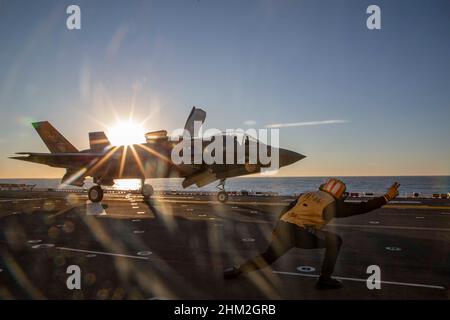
(346, 209)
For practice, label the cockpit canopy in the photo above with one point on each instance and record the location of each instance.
(156, 135)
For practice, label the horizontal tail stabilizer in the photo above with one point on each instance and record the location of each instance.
(98, 141)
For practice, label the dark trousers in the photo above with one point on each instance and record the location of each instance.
(288, 235)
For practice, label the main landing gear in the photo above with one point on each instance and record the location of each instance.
(146, 189)
(95, 193)
(222, 196)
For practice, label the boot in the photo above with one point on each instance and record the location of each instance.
(231, 273)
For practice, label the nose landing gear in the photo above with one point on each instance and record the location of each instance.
(146, 189)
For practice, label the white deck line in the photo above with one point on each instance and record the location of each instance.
(364, 280)
(103, 253)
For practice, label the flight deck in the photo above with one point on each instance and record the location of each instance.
(175, 246)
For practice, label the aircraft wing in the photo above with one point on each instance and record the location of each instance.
(200, 178)
(213, 173)
(61, 160)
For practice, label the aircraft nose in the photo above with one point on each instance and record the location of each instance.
(288, 157)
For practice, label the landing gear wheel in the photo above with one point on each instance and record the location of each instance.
(147, 191)
(95, 194)
(222, 196)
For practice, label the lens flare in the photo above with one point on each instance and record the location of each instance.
(126, 133)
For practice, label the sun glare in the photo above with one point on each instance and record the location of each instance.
(126, 133)
(127, 184)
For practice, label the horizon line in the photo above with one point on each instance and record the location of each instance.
(262, 176)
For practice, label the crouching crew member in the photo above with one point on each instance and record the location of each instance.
(300, 225)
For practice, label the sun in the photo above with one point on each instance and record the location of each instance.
(126, 133)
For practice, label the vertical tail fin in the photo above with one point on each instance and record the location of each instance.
(196, 114)
(54, 140)
(98, 141)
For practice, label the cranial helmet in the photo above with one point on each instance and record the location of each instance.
(333, 186)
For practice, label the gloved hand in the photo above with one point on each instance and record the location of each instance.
(392, 192)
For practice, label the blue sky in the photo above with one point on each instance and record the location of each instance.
(265, 61)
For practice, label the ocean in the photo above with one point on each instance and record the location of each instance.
(424, 185)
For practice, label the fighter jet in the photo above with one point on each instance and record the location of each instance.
(152, 159)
